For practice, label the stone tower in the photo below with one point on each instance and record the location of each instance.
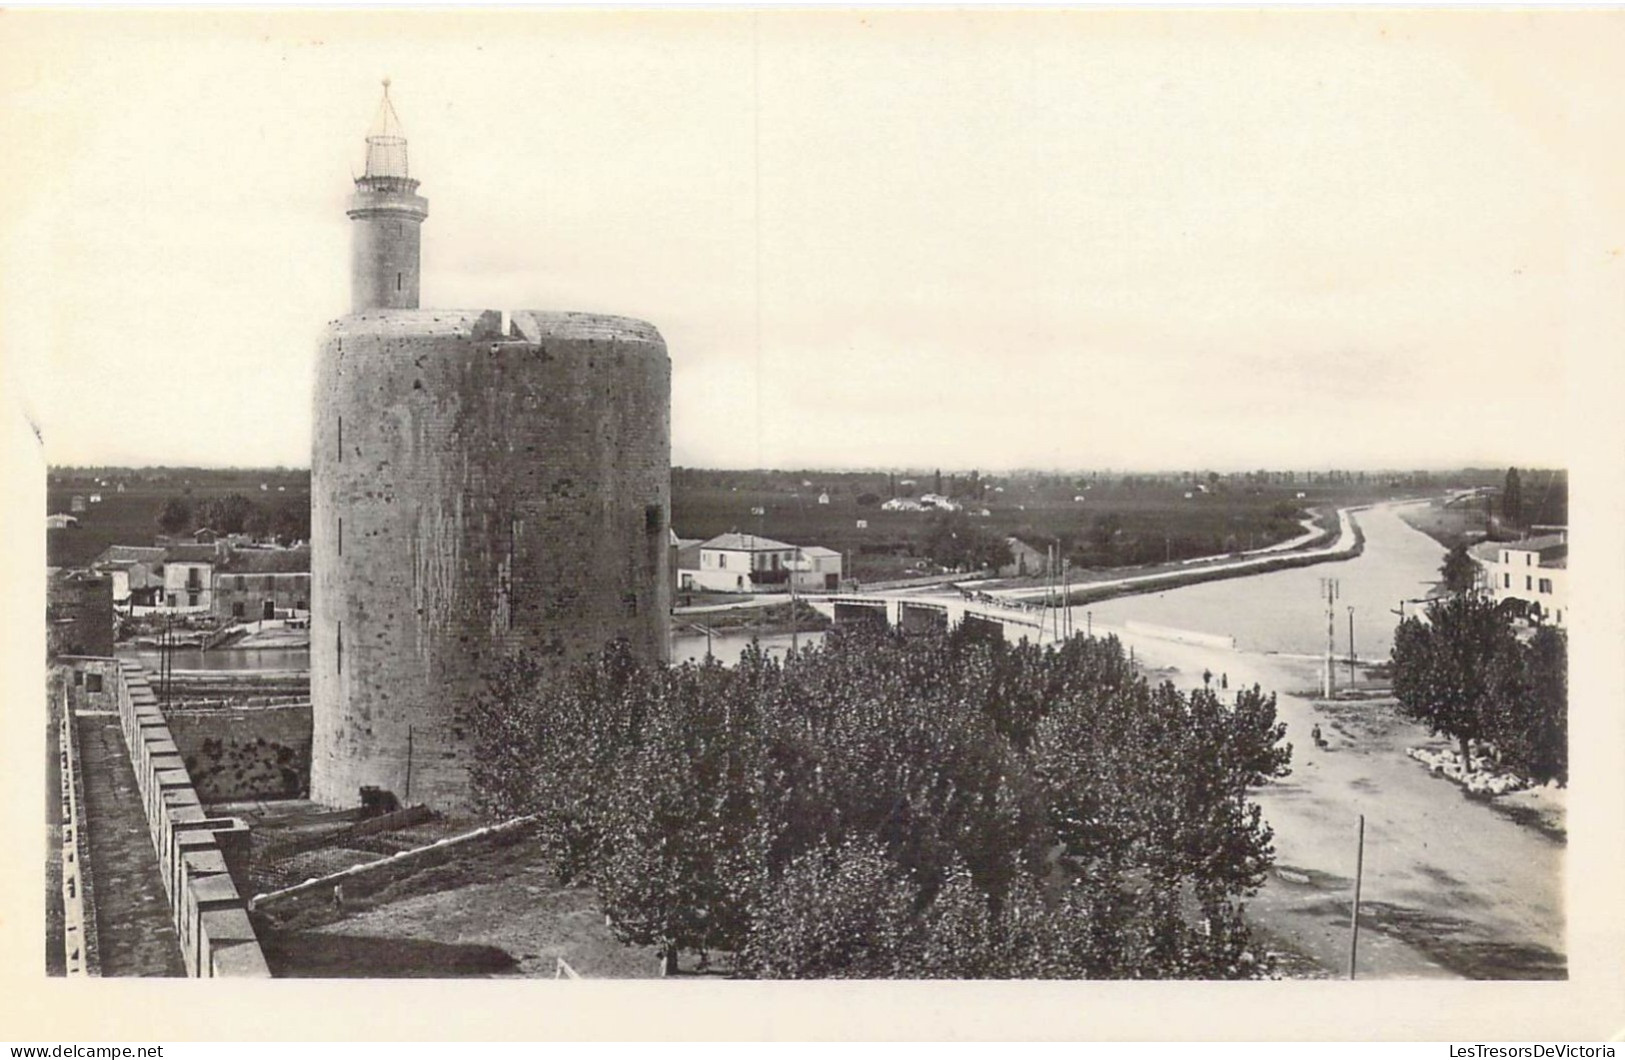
(388, 214)
(484, 484)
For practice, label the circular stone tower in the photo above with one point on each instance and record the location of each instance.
(483, 484)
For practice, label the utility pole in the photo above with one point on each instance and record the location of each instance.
(1351, 646)
(1354, 916)
(1328, 587)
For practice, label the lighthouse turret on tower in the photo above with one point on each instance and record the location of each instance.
(385, 249)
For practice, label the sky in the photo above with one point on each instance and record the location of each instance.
(990, 239)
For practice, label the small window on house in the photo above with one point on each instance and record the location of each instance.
(237, 609)
(1506, 581)
(652, 519)
(78, 678)
(1528, 582)
(242, 582)
(1528, 559)
(1546, 585)
(93, 682)
(191, 599)
(722, 560)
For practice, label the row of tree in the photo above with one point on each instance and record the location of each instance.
(287, 521)
(894, 806)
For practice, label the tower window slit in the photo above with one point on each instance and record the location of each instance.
(341, 646)
(341, 535)
(341, 439)
(397, 281)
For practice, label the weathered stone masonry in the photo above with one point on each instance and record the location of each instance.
(477, 492)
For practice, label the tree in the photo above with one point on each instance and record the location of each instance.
(897, 805)
(1459, 570)
(1512, 498)
(230, 514)
(1453, 669)
(175, 516)
(1531, 725)
(868, 500)
(290, 522)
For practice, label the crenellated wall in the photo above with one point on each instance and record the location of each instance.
(203, 860)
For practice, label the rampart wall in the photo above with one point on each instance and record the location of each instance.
(203, 860)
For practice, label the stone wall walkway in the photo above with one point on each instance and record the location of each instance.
(133, 923)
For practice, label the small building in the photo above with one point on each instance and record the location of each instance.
(823, 498)
(204, 535)
(60, 521)
(137, 574)
(741, 563)
(816, 569)
(1026, 560)
(252, 584)
(188, 585)
(77, 504)
(78, 613)
(902, 504)
(95, 498)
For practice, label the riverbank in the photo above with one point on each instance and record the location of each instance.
(765, 619)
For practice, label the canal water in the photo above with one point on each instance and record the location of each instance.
(691, 647)
(1285, 611)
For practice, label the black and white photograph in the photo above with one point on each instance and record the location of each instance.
(968, 500)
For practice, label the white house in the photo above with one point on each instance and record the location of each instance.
(823, 498)
(60, 522)
(1534, 570)
(741, 563)
(188, 585)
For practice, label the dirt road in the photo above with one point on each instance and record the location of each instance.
(1451, 888)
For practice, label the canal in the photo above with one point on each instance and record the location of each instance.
(1285, 611)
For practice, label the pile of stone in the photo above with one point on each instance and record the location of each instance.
(1484, 780)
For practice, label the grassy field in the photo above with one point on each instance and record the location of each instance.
(131, 517)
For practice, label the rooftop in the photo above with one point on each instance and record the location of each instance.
(747, 543)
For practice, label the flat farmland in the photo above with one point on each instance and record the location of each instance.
(1116, 523)
(131, 517)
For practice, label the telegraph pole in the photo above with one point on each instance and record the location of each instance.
(1328, 587)
(1354, 916)
(1351, 646)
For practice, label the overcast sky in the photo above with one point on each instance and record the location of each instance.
(996, 240)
